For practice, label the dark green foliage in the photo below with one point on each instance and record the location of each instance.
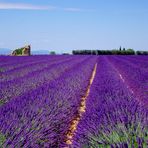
(2, 101)
(65, 53)
(104, 52)
(52, 53)
(142, 52)
(120, 48)
(2, 139)
(130, 51)
(81, 52)
(19, 51)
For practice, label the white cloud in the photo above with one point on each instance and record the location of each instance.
(26, 6)
(23, 6)
(78, 10)
(73, 9)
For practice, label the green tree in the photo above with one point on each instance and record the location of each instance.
(52, 53)
(120, 48)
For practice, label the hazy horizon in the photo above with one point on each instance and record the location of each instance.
(66, 25)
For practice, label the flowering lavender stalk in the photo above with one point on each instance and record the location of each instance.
(113, 117)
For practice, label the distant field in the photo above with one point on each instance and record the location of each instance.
(74, 101)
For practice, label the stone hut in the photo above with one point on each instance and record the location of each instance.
(24, 51)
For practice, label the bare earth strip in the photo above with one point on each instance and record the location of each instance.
(121, 77)
(130, 89)
(82, 108)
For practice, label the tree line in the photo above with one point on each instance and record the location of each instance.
(119, 51)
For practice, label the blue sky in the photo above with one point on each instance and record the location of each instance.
(64, 25)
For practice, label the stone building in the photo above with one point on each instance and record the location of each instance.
(24, 51)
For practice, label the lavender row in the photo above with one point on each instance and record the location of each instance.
(16, 87)
(135, 77)
(26, 61)
(41, 118)
(14, 67)
(134, 61)
(137, 58)
(29, 68)
(113, 116)
(7, 61)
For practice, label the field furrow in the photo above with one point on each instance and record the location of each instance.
(81, 110)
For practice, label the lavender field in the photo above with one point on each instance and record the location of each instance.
(70, 101)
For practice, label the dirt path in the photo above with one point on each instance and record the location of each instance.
(121, 77)
(82, 109)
